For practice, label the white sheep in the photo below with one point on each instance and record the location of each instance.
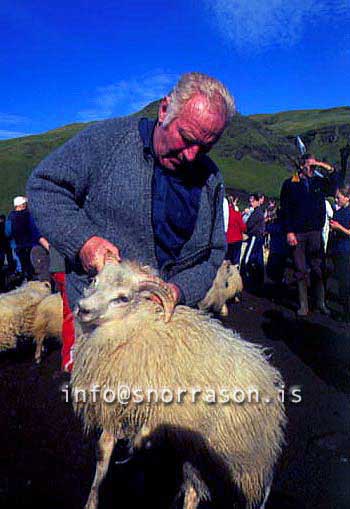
(128, 338)
(17, 311)
(48, 322)
(227, 285)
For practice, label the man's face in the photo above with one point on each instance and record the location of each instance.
(342, 201)
(21, 207)
(308, 169)
(253, 202)
(193, 132)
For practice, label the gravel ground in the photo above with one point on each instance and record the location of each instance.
(45, 461)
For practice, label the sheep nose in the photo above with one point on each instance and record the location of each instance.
(83, 309)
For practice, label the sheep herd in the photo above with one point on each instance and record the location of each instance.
(131, 334)
(30, 312)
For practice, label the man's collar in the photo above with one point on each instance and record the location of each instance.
(146, 128)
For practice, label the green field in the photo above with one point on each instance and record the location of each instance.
(251, 175)
(256, 152)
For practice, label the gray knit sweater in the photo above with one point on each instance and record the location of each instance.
(100, 183)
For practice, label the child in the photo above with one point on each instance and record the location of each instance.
(340, 250)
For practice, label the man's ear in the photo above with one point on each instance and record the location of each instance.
(163, 107)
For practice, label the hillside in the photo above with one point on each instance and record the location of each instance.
(325, 132)
(256, 152)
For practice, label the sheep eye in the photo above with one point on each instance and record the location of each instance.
(120, 300)
(226, 284)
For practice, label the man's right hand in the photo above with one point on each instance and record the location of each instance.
(292, 239)
(94, 252)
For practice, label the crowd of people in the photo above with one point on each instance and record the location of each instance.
(146, 190)
(306, 233)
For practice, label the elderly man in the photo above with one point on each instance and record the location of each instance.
(304, 211)
(141, 189)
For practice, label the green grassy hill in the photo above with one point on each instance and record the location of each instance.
(256, 152)
(300, 121)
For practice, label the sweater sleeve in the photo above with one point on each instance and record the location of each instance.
(57, 190)
(194, 282)
(35, 234)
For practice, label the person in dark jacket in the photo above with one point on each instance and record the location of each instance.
(340, 249)
(21, 228)
(304, 212)
(143, 190)
(252, 268)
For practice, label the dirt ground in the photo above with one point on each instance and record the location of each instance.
(45, 461)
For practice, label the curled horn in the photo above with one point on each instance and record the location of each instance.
(162, 291)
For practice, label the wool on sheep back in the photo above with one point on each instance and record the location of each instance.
(17, 311)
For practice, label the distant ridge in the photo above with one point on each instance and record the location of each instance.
(256, 152)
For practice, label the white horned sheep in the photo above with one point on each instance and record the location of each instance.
(17, 311)
(48, 322)
(132, 334)
(227, 285)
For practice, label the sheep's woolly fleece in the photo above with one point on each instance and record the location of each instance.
(192, 350)
(17, 311)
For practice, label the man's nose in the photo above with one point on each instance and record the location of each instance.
(191, 153)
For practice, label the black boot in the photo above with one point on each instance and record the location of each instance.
(303, 302)
(320, 298)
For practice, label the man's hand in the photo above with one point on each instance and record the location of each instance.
(315, 162)
(292, 239)
(334, 225)
(94, 252)
(45, 243)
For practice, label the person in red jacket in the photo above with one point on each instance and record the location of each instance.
(235, 230)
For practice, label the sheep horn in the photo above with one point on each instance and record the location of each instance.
(162, 292)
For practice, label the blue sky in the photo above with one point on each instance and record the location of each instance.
(69, 61)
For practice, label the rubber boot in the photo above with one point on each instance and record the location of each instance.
(320, 298)
(304, 308)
